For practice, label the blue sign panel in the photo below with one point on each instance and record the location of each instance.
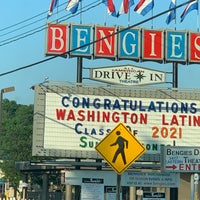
(176, 46)
(129, 44)
(80, 39)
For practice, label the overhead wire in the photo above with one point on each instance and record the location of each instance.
(91, 6)
(95, 41)
(19, 23)
(42, 27)
(22, 27)
(26, 20)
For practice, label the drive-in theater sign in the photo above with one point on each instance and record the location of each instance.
(123, 43)
(70, 119)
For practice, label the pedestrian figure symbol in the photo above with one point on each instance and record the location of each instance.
(120, 148)
(122, 144)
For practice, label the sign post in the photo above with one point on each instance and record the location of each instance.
(120, 148)
(118, 186)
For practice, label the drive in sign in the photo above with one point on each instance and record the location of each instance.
(180, 159)
(127, 75)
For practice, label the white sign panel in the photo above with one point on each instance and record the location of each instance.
(150, 179)
(79, 122)
(74, 177)
(136, 179)
(181, 159)
(92, 188)
(111, 193)
(127, 75)
(153, 196)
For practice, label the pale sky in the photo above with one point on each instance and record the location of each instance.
(22, 43)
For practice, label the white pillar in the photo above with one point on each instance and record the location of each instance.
(132, 193)
(68, 190)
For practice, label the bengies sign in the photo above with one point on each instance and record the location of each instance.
(122, 43)
(180, 159)
(70, 120)
(127, 75)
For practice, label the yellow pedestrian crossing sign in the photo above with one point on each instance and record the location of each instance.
(120, 148)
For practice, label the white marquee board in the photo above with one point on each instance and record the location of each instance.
(69, 119)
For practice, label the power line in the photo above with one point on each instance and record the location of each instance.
(93, 42)
(19, 37)
(26, 20)
(22, 27)
(41, 28)
(89, 7)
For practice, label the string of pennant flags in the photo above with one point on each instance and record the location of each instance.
(189, 7)
(142, 7)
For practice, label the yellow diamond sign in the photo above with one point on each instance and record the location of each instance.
(120, 148)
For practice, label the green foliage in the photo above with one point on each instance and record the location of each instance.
(16, 138)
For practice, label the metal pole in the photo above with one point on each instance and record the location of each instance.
(79, 69)
(175, 75)
(45, 186)
(192, 187)
(196, 181)
(118, 187)
(196, 191)
(174, 191)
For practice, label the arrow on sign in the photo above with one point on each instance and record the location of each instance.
(171, 167)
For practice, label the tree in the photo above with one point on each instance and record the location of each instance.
(16, 138)
(16, 142)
